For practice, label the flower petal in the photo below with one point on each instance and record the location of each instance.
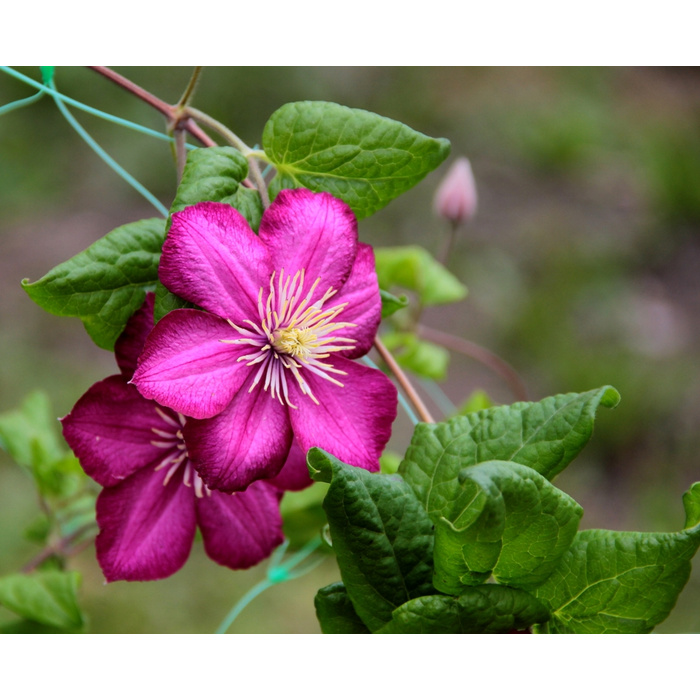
(364, 305)
(146, 528)
(130, 343)
(315, 232)
(241, 529)
(249, 440)
(110, 429)
(295, 474)
(352, 422)
(212, 258)
(186, 367)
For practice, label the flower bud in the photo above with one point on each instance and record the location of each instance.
(455, 198)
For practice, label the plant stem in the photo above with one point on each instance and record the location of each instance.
(403, 380)
(191, 87)
(479, 353)
(177, 116)
(61, 547)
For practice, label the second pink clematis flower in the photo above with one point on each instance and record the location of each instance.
(270, 358)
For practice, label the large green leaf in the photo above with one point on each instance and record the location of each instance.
(414, 268)
(210, 175)
(481, 609)
(364, 159)
(381, 535)
(49, 598)
(106, 283)
(617, 582)
(507, 520)
(335, 612)
(544, 436)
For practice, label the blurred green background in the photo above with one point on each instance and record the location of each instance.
(583, 266)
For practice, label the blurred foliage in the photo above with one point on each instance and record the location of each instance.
(583, 268)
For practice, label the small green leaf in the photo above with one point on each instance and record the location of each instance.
(302, 514)
(507, 520)
(106, 283)
(420, 356)
(691, 503)
(478, 400)
(364, 159)
(618, 582)
(215, 175)
(545, 436)
(29, 434)
(391, 304)
(210, 175)
(414, 268)
(382, 537)
(481, 609)
(49, 598)
(335, 612)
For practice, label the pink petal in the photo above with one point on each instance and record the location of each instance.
(212, 258)
(130, 343)
(313, 232)
(186, 367)
(110, 429)
(364, 305)
(352, 422)
(247, 441)
(146, 528)
(241, 529)
(295, 474)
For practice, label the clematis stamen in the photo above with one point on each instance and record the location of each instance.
(177, 456)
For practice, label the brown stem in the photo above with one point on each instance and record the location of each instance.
(162, 106)
(180, 152)
(177, 116)
(479, 353)
(403, 381)
(63, 546)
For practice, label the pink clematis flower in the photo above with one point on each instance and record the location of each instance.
(269, 359)
(153, 499)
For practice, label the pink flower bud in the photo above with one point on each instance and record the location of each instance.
(455, 198)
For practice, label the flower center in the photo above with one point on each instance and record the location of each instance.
(176, 458)
(293, 335)
(297, 342)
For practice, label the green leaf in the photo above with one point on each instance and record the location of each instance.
(478, 400)
(335, 612)
(106, 283)
(691, 503)
(210, 175)
(364, 159)
(302, 514)
(545, 436)
(618, 582)
(30, 436)
(49, 598)
(381, 536)
(391, 304)
(420, 356)
(507, 520)
(29, 433)
(30, 627)
(215, 175)
(481, 609)
(414, 268)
